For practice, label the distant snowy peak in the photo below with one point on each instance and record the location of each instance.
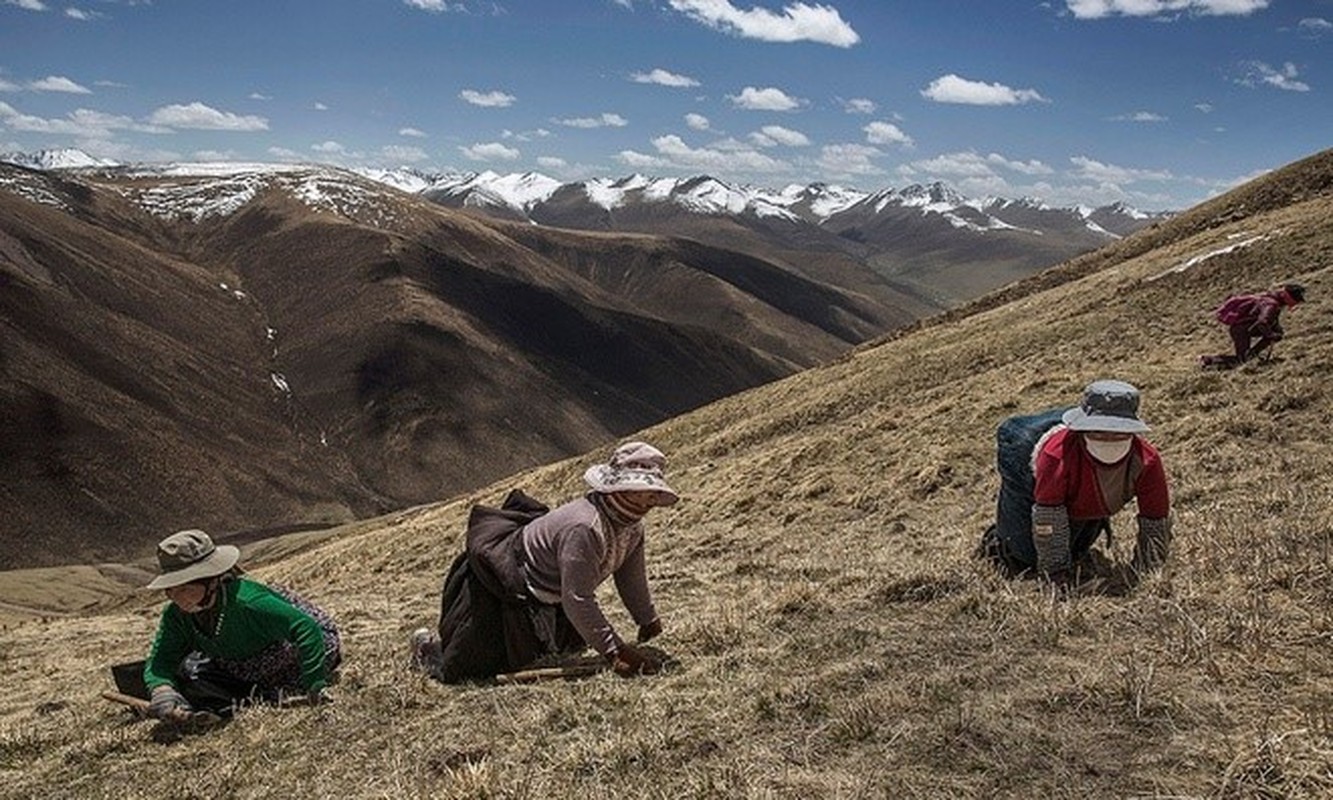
(200, 191)
(516, 192)
(64, 158)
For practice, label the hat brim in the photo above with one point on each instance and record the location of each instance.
(1078, 420)
(223, 558)
(606, 479)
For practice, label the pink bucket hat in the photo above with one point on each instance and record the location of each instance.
(633, 467)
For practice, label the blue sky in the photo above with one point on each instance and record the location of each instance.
(1158, 103)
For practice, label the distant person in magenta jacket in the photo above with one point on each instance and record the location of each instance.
(1253, 316)
(1063, 474)
(225, 638)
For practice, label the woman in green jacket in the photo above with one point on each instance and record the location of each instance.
(226, 638)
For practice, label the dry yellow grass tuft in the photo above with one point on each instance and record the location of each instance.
(835, 637)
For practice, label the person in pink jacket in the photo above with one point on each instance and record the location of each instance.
(1249, 317)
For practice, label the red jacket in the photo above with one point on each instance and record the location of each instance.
(1067, 476)
(1257, 313)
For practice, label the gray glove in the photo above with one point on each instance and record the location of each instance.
(167, 703)
(1152, 544)
(1050, 538)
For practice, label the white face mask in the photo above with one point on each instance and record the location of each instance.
(1108, 452)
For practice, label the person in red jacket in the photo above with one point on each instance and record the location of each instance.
(1251, 316)
(1056, 498)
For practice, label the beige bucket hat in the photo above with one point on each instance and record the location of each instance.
(633, 467)
(187, 556)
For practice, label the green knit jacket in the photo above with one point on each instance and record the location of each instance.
(252, 617)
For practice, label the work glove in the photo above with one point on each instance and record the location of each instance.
(1061, 579)
(1153, 544)
(650, 630)
(628, 661)
(167, 703)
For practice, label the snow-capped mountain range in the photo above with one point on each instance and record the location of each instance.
(528, 195)
(928, 239)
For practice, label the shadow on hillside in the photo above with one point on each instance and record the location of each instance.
(1095, 574)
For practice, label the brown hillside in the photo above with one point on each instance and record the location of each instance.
(835, 637)
(275, 350)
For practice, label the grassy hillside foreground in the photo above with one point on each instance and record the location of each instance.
(834, 636)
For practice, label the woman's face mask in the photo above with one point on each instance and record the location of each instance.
(1108, 451)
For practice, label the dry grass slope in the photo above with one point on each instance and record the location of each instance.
(835, 638)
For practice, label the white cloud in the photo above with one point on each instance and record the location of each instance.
(1257, 73)
(773, 135)
(525, 136)
(58, 83)
(1206, 108)
(798, 22)
(81, 122)
(886, 133)
(849, 159)
(320, 107)
(329, 148)
(953, 89)
(1315, 27)
(606, 120)
(663, 78)
(1098, 9)
(6, 86)
(258, 96)
(697, 122)
(31, 5)
(955, 165)
(1107, 173)
(284, 154)
(403, 154)
(674, 152)
(859, 105)
(436, 6)
(975, 174)
(551, 162)
(490, 151)
(80, 14)
(197, 116)
(413, 132)
(769, 99)
(1139, 116)
(1024, 167)
(492, 99)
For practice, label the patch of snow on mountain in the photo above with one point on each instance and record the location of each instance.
(524, 191)
(405, 180)
(63, 158)
(1095, 228)
(1221, 251)
(660, 189)
(197, 200)
(604, 193)
(711, 196)
(32, 187)
(334, 193)
(833, 199)
(211, 169)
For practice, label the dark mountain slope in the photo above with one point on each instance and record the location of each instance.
(268, 349)
(136, 393)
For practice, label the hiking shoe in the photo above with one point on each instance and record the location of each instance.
(424, 651)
